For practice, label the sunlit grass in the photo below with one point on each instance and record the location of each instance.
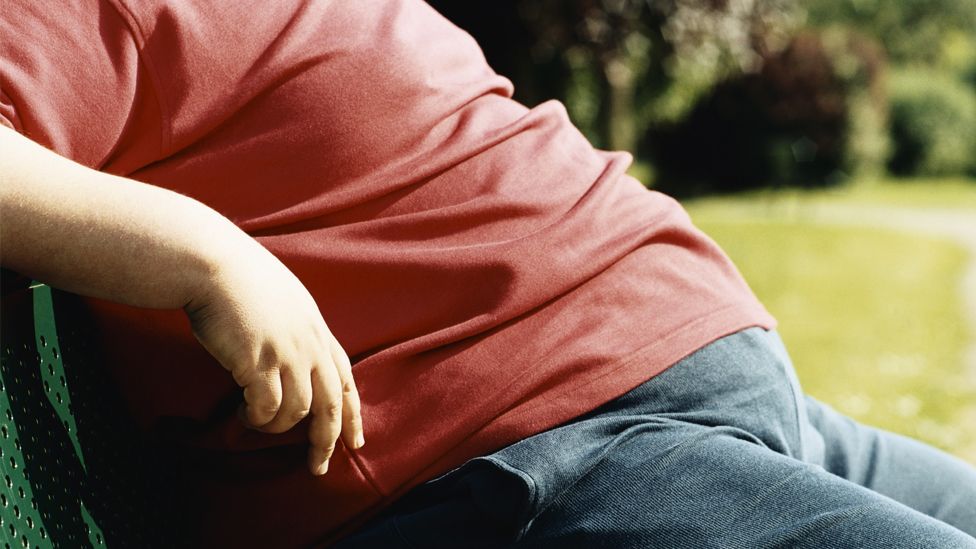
(926, 193)
(952, 193)
(872, 318)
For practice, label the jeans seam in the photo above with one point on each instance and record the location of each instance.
(796, 397)
(530, 512)
(395, 526)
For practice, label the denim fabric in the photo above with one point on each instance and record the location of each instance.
(720, 450)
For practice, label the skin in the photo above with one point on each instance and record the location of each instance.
(109, 237)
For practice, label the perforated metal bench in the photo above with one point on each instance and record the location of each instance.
(75, 472)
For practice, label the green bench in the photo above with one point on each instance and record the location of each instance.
(75, 472)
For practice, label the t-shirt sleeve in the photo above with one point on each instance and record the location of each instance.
(67, 76)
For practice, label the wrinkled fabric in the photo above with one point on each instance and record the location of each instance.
(721, 450)
(489, 273)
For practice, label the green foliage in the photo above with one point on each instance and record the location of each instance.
(867, 144)
(723, 95)
(709, 42)
(784, 125)
(627, 64)
(859, 63)
(933, 124)
(959, 55)
(912, 31)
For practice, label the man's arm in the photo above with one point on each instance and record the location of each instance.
(104, 236)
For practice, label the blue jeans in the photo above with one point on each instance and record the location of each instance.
(720, 450)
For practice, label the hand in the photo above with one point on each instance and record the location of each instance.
(258, 320)
(105, 236)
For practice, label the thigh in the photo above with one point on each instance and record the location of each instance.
(913, 473)
(720, 488)
(670, 486)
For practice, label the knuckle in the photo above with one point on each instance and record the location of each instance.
(265, 409)
(327, 451)
(323, 437)
(332, 410)
(242, 375)
(269, 354)
(270, 398)
(351, 403)
(271, 405)
(340, 357)
(246, 370)
(263, 394)
(299, 415)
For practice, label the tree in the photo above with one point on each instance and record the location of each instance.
(621, 65)
(912, 31)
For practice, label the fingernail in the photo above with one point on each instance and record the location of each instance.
(360, 441)
(324, 468)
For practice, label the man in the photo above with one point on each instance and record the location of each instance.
(502, 289)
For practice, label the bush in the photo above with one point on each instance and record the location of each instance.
(861, 65)
(785, 125)
(933, 124)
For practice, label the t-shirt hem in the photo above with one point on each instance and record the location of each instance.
(617, 378)
(646, 362)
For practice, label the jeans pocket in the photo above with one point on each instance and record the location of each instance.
(478, 505)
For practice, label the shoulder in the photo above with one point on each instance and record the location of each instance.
(67, 74)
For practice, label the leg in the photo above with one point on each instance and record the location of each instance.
(660, 484)
(718, 451)
(903, 469)
(721, 489)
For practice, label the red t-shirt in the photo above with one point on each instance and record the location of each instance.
(490, 274)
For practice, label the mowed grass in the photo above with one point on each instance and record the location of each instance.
(950, 194)
(872, 317)
(954, 193)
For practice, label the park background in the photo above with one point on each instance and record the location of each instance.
(829, 146)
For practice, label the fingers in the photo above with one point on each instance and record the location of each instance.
(352, 421)
(262, 399)
(296, 402)
(280, 398)
(326, 415)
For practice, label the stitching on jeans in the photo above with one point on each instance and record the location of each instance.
(626, 437)
(796, 395)
(671, 455)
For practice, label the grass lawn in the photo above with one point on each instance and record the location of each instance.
(872, 317)
(954, 194)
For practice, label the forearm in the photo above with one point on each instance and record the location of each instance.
(104, 236)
